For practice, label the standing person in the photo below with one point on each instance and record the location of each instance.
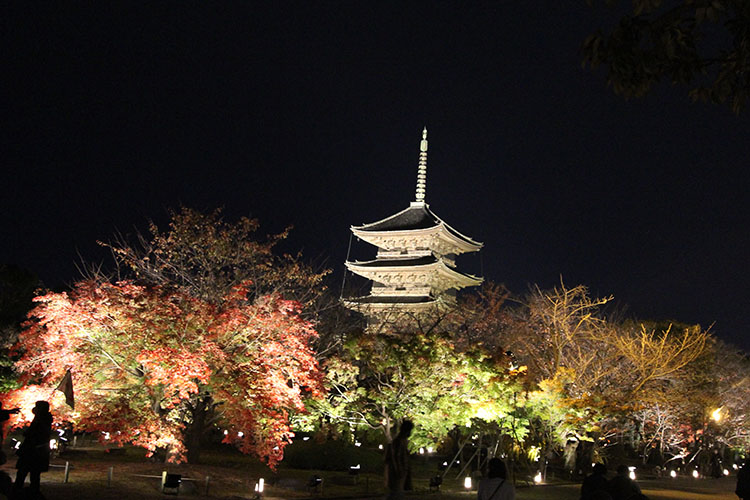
(621, 487)
(4, 415)
(5, 481)
(595, 485)
(397, 469)
(33, 454)
(495, 486)
(743, 481)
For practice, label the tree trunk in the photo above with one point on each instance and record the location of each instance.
(195, 429)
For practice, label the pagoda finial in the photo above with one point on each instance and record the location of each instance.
(422, 169)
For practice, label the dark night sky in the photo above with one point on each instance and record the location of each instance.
(310, 113)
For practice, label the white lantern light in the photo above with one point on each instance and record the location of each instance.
(467, 482)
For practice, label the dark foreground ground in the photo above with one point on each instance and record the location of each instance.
(88, 486)
(96, 474)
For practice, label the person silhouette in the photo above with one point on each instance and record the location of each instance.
(5, 482)
(397, 468)
(594, 486)
(743, 481)
(621, 487)
(33, 454)
(5, 415)
(495, 486)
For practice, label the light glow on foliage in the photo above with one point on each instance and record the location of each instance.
(716, 415)
(25, 399)
(141, 357)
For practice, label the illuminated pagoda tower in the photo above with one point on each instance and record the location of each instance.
(414, 270)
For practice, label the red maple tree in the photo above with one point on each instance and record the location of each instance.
(155, 366)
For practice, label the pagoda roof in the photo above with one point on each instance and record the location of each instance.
(392, 299)
(377, 269)
(414, 261)
(390, 304)
(415, 218)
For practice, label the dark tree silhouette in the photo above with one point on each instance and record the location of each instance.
(702, 44)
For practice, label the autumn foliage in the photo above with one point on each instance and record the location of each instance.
(144, 357)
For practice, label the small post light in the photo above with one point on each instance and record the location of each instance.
(467, 482)
(354, 472)
(538, 477)
(380, 446)
(696, 474)
(429, 449)
(726, 472)
(673, 473)
(631, 474)
(240, 434)
(421, 451)
(260, 486)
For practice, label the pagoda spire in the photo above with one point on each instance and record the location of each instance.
(422, 169)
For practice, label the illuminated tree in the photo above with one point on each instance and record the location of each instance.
(206, 256)
(609, 378)
(201, 261)
(376, 380)
(732, 374)
(659, 355)
(564, 328)
(145, 357)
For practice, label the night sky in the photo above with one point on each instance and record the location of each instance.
(310, 114)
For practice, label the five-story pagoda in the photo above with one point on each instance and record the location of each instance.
(414, 270)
